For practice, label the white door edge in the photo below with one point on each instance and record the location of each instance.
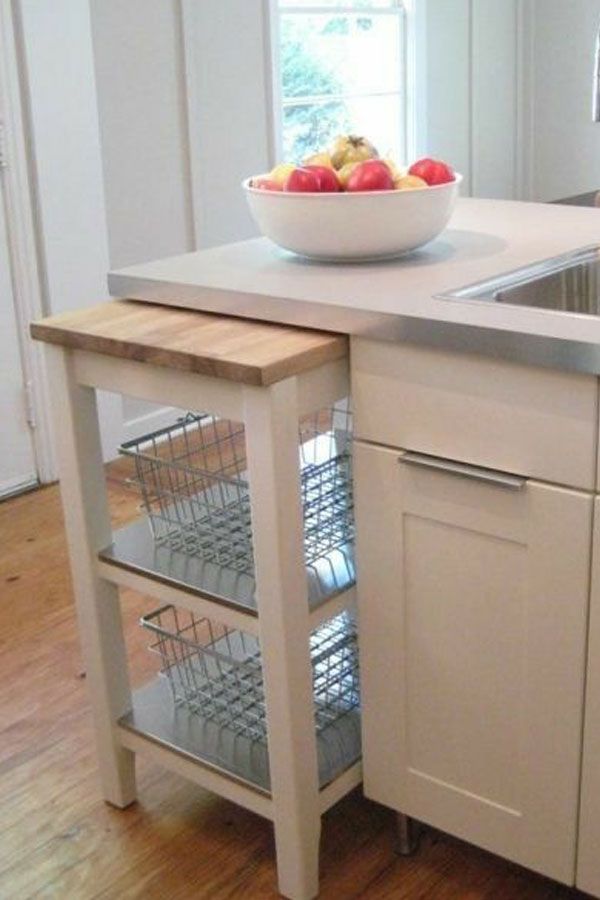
(21, 226)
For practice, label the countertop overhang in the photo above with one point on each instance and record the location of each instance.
(395, 300)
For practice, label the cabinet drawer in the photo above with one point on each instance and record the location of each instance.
(502, 415)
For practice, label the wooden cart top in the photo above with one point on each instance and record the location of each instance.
(239, 350)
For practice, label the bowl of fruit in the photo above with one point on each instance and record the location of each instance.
(347, 203)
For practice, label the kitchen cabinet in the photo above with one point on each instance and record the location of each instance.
(473, 594)
(488, 745)
(474, 549)
(475, 609)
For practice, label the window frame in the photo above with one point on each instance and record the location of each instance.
(412, 11)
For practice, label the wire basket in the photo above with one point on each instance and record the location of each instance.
(194, 488)
(216, 672)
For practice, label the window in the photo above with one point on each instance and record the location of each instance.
(341, 68)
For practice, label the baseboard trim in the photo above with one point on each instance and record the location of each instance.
(157, 418)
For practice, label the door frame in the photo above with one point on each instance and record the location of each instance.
(21, 220)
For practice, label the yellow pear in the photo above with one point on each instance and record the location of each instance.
(281, 172)
(349, 148)
(345, 172)
(409, 183)
(318, 159)
(395, 170)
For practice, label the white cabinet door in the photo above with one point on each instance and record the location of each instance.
(588, 856)
(472, 601)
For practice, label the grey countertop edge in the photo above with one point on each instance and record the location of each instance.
(528, 349)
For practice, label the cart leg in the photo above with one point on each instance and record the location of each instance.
(271, 418)
(85, 506)
(407, 837)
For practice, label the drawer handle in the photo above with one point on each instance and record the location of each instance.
(463, 470)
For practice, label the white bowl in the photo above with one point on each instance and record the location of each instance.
(352, 226)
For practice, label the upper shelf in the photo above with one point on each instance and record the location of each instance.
(135, 550)
(234, 349)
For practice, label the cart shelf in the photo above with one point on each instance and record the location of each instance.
(134, 549)
(155, 716)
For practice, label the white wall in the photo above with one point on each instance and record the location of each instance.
(57, 67)
(447, 115)
(471, 95)
(509, 95)
(228, 68)
(141, 86)
(108, 92)
(66, 150)
(565, 141)
(495, 98)
(138, 50)
(170, 187)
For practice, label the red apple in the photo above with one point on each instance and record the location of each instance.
(266, 184)
(301, 180)
(328, 180)
(433, 171)
(371, 175)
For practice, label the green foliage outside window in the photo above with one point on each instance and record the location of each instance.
(308, 128)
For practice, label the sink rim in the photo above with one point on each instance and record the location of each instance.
(485, 291)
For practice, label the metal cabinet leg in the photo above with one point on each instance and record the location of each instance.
(407, 835)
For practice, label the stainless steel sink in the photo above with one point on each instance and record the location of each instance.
(568, 283)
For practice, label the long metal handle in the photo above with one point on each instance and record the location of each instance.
(463, 470)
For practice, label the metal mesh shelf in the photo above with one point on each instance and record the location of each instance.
(216, 671)
(192, 479)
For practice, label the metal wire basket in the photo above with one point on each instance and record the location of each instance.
(216, 672)
(194, 488)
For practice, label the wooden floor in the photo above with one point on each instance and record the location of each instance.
(59, 840)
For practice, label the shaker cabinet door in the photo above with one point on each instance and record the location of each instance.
(473, 592)
(588, 856)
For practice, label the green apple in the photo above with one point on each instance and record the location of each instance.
(349, 148)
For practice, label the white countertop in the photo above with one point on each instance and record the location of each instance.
(394, 299)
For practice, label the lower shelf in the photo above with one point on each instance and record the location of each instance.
(155, 716)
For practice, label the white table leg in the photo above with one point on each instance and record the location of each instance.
(271, 419)
(85, 505)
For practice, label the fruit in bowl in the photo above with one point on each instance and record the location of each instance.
(349, 148)
(432, 171)
(371, 175)
(347, 203)
(315, 179)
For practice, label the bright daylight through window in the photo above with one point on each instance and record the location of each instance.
(340, 68)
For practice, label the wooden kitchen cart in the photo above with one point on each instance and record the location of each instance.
(266, 377)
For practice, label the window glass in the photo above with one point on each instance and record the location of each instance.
(311, 127)
(346, 54)
(375, 4)
(341, 73)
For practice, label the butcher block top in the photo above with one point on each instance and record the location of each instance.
(239, 350)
